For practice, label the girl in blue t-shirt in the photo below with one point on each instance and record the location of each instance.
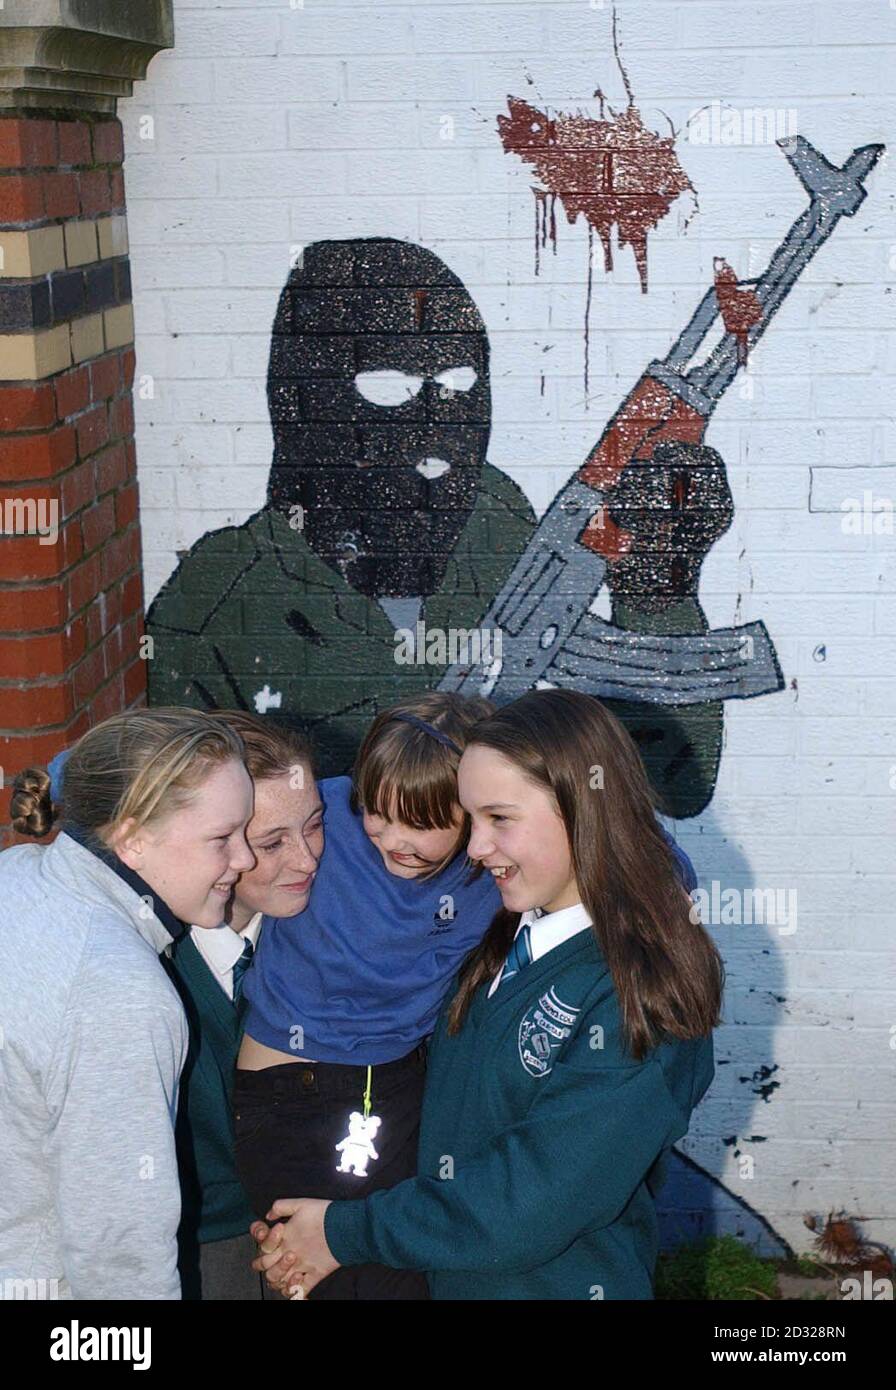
(343, 996)
(576, 1043)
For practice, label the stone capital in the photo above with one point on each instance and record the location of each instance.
(78, 55)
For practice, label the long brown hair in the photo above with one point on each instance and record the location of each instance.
(404, 772)
(666, 970)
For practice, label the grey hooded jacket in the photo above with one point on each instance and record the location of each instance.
(93, 1038)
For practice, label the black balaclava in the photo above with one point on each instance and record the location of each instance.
(377, 501)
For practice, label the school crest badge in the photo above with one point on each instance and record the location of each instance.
(543, 1029)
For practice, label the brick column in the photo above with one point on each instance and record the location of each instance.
(71, 594)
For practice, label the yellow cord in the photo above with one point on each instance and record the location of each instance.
(367, 1092)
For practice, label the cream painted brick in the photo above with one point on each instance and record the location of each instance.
(80, 242)
(112, 232)
(118, 326)
(87, 337)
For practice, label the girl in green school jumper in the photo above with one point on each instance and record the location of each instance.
(576, 1044)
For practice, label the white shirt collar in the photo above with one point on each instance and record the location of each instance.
(547, 930)
(221, 947)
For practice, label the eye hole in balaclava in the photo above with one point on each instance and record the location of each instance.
(378, 388)
(390, 388)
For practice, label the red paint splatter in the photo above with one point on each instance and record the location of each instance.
(740, 308)
(612, 172)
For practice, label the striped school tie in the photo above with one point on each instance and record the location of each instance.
(240, 966)
(520, 954)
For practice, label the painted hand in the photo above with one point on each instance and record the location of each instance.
(675, 505)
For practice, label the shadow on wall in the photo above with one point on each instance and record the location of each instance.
(694, 1202)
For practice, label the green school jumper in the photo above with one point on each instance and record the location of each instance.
(540, 1143)
(215, 1206)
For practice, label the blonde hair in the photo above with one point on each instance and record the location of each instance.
(140, 766)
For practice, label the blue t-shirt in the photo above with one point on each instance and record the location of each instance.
(359, 977)
(364, 969)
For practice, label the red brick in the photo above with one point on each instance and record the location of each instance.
(132, 631)
(121, 417)
(116, 188)
(28, 144)
(36, 706)
(112, 649)
(131, 453)
(22, 558)
(61, 195)
(27, 407)
(111, 468)
(37, 455)
(134, 682)
(72, 391)
(94, 191)
(21, 197)
(98, 523)
(103, 615)
(77, 488)
(31, 749)
(72, 549)
(93, 430)
(33, 658)
(108, 146)
(83, 584)
(31, 610)
(128, 365)
(113, 607)
(109, 701)
(127, 506)
(74, 142)
(105, 376)
(115, 559)
(132, 595)
(87, 677)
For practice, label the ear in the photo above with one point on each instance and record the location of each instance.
(129, 843)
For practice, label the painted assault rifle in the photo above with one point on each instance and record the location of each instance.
(548, 634)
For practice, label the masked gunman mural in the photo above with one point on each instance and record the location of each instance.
(383, 515)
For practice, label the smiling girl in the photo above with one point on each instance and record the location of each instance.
(94, 1035)
(572, 1051)
(208, 967)
(342, 998)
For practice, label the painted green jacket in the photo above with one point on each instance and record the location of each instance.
(253, 606)
(541, 1145)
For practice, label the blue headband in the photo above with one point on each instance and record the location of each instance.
(56, 767)
(429, 729)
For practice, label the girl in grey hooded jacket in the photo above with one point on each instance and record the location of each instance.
(93, 1035)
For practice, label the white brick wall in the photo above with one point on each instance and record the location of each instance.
(274, 125)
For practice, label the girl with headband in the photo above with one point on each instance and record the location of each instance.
(574, 1044)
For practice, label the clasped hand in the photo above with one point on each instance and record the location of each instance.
(294, 1253)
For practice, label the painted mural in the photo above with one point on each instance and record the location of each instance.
(383, 513)
(384, 516)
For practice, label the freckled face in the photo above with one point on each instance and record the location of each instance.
(517, 832)
(286, 836)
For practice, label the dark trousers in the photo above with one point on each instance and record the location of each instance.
(288, 1121)
(221, 1270)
